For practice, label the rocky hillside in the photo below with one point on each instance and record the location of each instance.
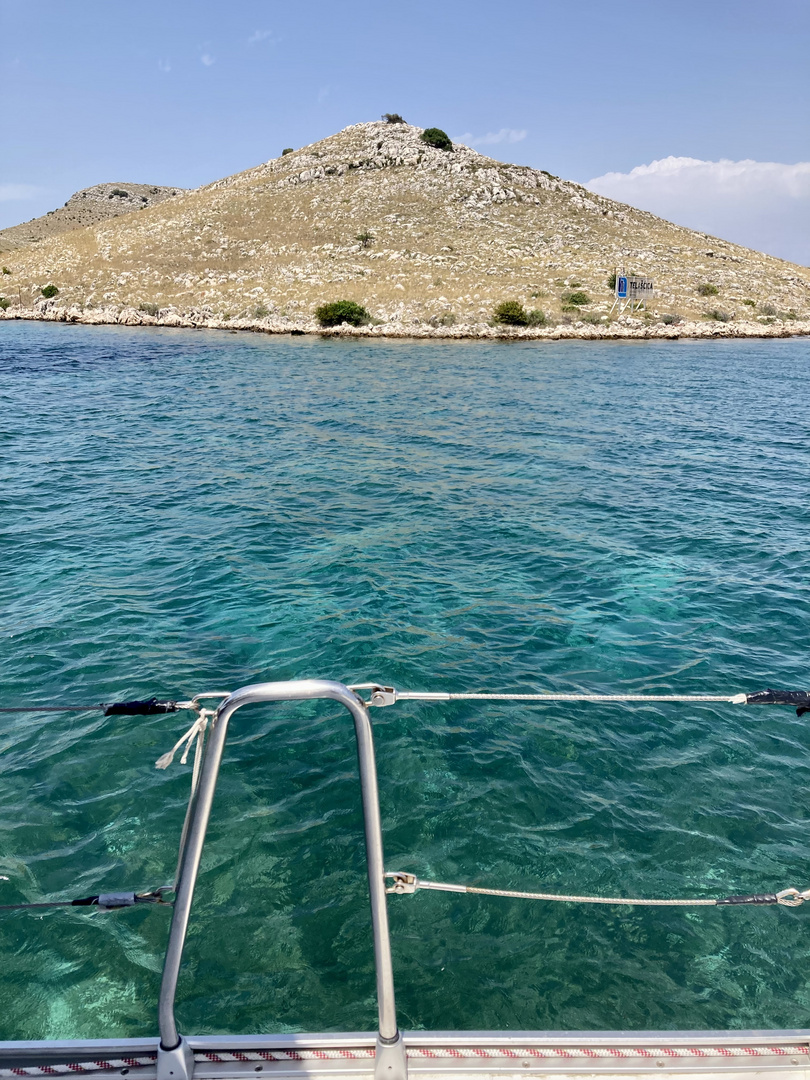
(88, 207)
(422, 237)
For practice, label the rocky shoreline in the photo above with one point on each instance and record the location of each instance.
(625, 327)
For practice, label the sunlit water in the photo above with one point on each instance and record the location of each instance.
(188, 511)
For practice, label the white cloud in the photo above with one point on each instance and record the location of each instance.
(492, 138)
(761, 204)
(259, 35)
(18, 192)
(207, 59)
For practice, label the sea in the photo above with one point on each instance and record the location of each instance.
(190, 511)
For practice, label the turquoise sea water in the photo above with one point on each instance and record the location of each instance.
(187, 511)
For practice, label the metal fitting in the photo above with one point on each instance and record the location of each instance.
(402, 883)
(383, 695)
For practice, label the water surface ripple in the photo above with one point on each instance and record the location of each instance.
(183, 511)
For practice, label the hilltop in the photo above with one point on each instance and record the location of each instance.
(88, 207)
(428, 240)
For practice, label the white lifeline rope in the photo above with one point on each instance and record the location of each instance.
(388, 695)
(416, 695)
(409, 883)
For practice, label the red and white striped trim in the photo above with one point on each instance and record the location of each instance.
(622, 1052)
(81, 1067)
(474, 1053)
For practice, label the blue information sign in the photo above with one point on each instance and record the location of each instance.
(621, 288)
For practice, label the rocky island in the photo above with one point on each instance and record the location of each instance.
(428, 240)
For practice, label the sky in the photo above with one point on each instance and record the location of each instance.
(698, 111)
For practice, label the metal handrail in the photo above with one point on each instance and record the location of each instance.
(175, 1061)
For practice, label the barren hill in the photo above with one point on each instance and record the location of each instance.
(420, 236)
(88, 207)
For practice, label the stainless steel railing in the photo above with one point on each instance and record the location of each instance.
(175, 1060)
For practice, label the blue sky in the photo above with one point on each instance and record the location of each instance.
(183, 93)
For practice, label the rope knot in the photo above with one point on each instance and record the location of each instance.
(195, 733)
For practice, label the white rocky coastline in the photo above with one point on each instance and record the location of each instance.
(625, 327)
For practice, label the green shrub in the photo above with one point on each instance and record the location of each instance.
(447, 318)
(436, 137)
(750, 303)
(4, 304)
(118, 193)
(718, 316)
(341, 311)
(260, 311)
(707, 289)
(536, 317)
(148, 309)
(6, 270)
(49, 291)
(576, 299)
(510, 313)
(590, 316)
(286, 150)
(364, 238)
(670, 320)
(768, 309)
(392, 118)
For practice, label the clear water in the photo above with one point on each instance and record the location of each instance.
(184, 511)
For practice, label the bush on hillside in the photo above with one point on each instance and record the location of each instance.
(148, 308)
(49, 291)
(6, 270)
(118, 193)
(364, 238)
(4, 304)
(436, 137)
(611, 281)
(510, 313)
(286, 150)
(718, 316)
(768, 309)
(707, 289)
(341, 311)
(392, 118)
(576, 299)
(536, 317)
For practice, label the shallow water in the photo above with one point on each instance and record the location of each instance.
(187, 511)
